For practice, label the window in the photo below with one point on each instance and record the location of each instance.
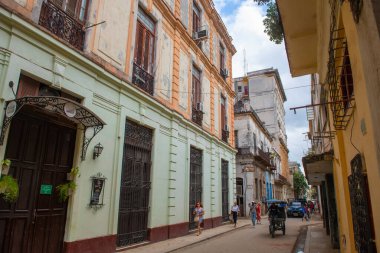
(221, 56)
(236, 139)
(246, 90)
(254, 140)
(239, 88)
(74, 8)
(196, 18)
(346, 81)
(196, 92)
(223, 118)
(144, 47)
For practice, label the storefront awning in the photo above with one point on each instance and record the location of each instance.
(65, 107)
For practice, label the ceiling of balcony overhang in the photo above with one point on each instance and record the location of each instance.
(299, 20)
(316, 171)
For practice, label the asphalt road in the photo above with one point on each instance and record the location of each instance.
(250, 239)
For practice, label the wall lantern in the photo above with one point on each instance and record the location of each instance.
(98, 149)
(97, 191)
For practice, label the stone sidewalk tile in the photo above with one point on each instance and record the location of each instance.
(317, 241)
(183, 241)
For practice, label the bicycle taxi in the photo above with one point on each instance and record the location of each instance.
(276, 216)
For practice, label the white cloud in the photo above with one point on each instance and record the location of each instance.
(245, 25)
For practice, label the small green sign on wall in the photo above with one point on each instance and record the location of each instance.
(46, 189)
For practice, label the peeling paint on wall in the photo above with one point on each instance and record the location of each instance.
(170, 3)
(113, 34)
(216, 109)
(185, 13)
(164, 65)
(206, 101)
(183, 79)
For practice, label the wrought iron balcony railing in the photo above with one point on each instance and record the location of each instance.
(197, 116)
(264, 157)
(62, 24)
(143, 79)
(225, 135)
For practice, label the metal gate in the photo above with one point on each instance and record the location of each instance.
(135, 185)
(225, 205)
(361, 208)
(195, 183)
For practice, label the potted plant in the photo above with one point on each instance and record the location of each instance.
(73, 174)
(9, 189)
(5, 164)
(67, 189)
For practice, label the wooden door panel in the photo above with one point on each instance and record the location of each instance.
(36, 222)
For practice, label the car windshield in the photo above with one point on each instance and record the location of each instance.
(296, 204)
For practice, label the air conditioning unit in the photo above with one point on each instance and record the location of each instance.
(225, 73)
(201, 34)
(200, 106)
(226, 128)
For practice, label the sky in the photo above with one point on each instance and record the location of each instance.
(244, 21)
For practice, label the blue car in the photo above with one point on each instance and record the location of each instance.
(295, 210)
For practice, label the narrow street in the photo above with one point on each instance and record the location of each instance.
(249, 239)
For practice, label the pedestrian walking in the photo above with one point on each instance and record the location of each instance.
(234, 211)
(305, 213)
(198, 216)
(258, 213)
(252, 212)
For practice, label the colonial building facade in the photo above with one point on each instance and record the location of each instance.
(254, 165)
(138, 95)
(267, 96)
(337, 42)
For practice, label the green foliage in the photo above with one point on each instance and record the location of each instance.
(6, 162)
(300, 185)
(65, 190)
(9, 189)
(75, 172)
(272, 21)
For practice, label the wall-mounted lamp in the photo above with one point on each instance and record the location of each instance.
(98, 149)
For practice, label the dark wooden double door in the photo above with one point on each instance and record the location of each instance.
(41, 152)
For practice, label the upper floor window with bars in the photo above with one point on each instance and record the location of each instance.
(143, 64)
(196, 97)
(75, 8)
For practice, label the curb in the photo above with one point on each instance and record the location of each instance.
(208, 238)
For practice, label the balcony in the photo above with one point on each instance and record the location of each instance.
(280, 179)
(262, 156)
(197, 116)
(143, 79)
(62, 24)
(225, 135)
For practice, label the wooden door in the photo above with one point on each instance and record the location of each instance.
(41, 153)
(135, 185)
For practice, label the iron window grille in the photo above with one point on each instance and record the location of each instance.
(339, 76)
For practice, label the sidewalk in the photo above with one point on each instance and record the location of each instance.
(317, 241)
(183, 241)
(313, 239)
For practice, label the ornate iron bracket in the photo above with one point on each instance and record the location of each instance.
(63, 106)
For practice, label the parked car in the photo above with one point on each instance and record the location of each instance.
(295, 209)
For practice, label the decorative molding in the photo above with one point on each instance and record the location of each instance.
(58, 72)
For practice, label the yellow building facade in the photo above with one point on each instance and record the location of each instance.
(337, 42)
